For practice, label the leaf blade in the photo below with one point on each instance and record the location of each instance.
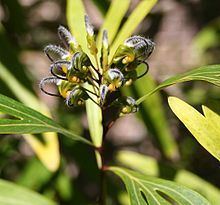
(30, 121)
(12, 194)
(113, 21)
(143, 8)
(75, 20)
(202, 128)
(210, 74)
(51, 146)
(150, 166)
(139, 184)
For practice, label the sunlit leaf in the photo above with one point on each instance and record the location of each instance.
(94, 115)
(48, 152)
(138, 14)
(12, 194)
(205, 129)
(145, 190)
(209, 73)
(24, 120)
(75, 13)
(113, 21)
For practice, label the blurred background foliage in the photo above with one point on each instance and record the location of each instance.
(187, 35)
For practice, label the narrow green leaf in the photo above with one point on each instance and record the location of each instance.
(145, 190)
(150, 166)
(113, 19)
(26, 120)
(152, 112)
(139, 13)
(205, 129)
(12, 194)
(48, 152)
(75, 19)
(75, 13)
(211, 192)
(144, 164)
(94, 116)
(209, 73)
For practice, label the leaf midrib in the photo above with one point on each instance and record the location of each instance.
(29, 117)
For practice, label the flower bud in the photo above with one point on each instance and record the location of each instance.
(124, 55)
(90, 36)
(104, 51)
(76, 97)
(143, 47)
(68, 40)
(114, 78)
(103, 93)
(127, 105)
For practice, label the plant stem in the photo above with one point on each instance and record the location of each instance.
(102, 199)
(102, 187)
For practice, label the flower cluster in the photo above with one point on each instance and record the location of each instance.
(72, 70)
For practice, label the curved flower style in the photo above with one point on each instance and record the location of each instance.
(71, 69)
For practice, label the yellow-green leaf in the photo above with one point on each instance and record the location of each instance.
(75, 13)
(142, 9)
(12, 194)
(113, 19)
(204, 128)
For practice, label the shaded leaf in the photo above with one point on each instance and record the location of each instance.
(206, 129)
(138, 14)
(150, 166)
(12, 194)
(47, 152)
(145, 190)
(26, 120)
(144, 164)
(209, 73)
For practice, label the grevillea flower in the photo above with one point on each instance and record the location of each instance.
(72, 69)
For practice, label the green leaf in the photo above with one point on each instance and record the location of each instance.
(26, 120)
(209, 73)
(211, 192)
(139, 13)
(155, 119)
(94, 116)
(150, 166)
(75, 19)
(113, 21)
(47, 152)
(145, 190)
(75, 13)
(12, 194)
(205, 128)
(144, 164)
